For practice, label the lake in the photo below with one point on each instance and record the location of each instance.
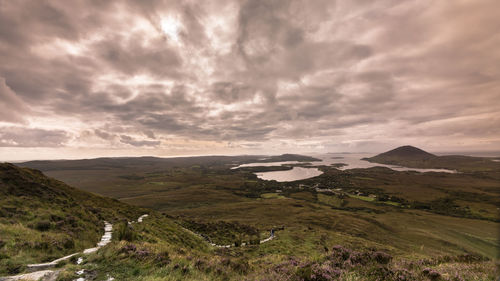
(352, 161)
(268, 164)
(297, 173)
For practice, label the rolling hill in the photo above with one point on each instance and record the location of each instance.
(406, 152)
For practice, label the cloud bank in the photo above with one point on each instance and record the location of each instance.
(179, 77)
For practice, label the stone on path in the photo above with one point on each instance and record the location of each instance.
(44, 275)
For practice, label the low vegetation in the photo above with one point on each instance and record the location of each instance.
(360, 224)
(42, 219)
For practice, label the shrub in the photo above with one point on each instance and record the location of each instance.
(324, 273)
(304, 272)
(255, 241)
(142, 254)
(129, 249)
(185, 269)
(240, 266)
(403, 275)
(126, 232)
(14, 267)
(339, 251)
(68, 243)
(162, 259)
(61, 263)
(43, 225)
(431, 273)
(381, 273)
(73, 259)
(382, 257)
(199, 264)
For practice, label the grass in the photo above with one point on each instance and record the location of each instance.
(42, 219)
(364, 198)
(272, 195)
(226, 205)
(333, 201)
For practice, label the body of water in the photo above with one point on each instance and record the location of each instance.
(269, 164)
(297, 173)
(352, 161)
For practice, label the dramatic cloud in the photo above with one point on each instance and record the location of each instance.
(13, 108)
(180, 77)
(26, 137)
(133, 142)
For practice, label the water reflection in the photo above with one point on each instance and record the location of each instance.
(268, 164)
(351, 161)
(297, 173)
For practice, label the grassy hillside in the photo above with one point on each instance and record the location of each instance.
(42, 219)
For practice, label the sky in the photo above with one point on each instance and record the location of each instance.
(83, 79)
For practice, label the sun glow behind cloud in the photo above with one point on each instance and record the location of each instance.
(172, 26)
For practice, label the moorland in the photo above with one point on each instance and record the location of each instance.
(355, 224)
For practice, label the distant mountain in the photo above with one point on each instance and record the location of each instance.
(413, 157)
(403, 153)
(119, 163)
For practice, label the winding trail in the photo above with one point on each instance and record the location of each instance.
(243, 243)
(106, 239)
(38, 271)
(271, 237)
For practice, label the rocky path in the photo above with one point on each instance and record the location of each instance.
(243, 243)
(271, 237)
(40, 270)
(106, 239)
(46, 275)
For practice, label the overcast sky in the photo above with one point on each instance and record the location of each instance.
(114, 78)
